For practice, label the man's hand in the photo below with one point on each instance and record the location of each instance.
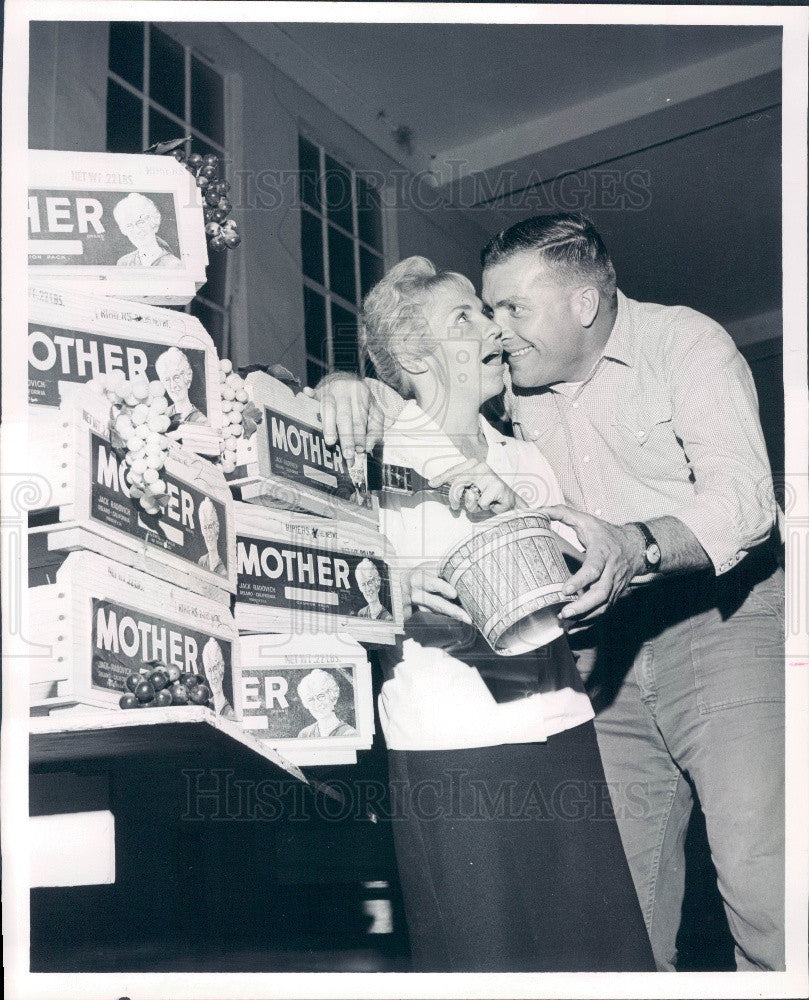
(424, 588)
(613, 556)
(474, 486)
(349, 413)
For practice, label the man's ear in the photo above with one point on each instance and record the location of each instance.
(586, 305)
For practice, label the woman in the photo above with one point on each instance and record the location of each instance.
(508, 853)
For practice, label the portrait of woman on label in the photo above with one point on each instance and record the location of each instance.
(209, 526)
(174, 371)
(213, 662)
(319, 693)
(370, 583)
(139, 219)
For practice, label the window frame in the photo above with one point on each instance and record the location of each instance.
(383, 253)
(147, 102)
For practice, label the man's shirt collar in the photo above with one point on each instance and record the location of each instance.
(621, 343)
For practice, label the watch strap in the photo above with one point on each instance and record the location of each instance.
(648, 537)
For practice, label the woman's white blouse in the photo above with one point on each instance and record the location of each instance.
(434, 701)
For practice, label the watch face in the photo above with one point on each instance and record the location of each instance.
(653, 554)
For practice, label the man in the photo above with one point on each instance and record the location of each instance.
(138, 219)
(174, 371)
(648, 416)
(319, 692)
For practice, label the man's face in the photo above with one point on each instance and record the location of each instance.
(544, 340)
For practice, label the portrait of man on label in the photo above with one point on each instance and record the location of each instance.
(370, 583)
(209, 526)
(138, 219)
(319, 693)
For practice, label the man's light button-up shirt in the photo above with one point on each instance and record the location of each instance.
(666, 424)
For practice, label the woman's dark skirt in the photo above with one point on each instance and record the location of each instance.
(510, 860)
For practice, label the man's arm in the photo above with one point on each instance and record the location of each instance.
(615, 557)
(715, 416)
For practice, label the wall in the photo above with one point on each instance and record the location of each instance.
(67, 110)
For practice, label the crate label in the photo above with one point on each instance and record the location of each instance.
(96, 228)
(193, 526)
(281, 575)
(59, 354)
(307, 702)
(124, 639)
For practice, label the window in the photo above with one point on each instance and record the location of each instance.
(158, 90)
(341, 257)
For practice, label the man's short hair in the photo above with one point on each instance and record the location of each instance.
(570, 243)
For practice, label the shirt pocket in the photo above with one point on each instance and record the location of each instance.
(642, 424)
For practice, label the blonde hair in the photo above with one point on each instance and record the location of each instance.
(394, 329)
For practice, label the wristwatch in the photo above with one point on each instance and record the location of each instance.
(651, 554)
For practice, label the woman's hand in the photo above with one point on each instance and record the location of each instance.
(474, 486)
(424, 588)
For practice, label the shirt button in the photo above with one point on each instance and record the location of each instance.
(586, 458)
(575, 406)
(641, 435)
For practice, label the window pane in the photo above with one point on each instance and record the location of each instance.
(211, 319)
(311, 246)
(215, 287)
(126, 51)
(314, 312)
(207, 101)
(162, 128)
(370, 270)
(339, 194)
(124, 129)
(314, 372)
(309, 166)
(167, 72)
(344, 338)
(341, 265)
(369, 215)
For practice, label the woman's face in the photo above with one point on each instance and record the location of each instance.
(369, 583)
(140, 227)
(321, 701)
(469, 347)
